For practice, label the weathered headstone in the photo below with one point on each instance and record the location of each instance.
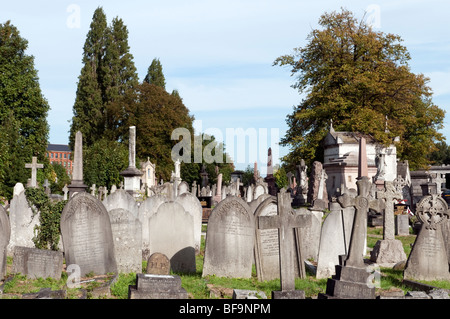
(309, 237)
(146, 210)
(5, 234)
(351, 279)
(150, 286)
(23, 222)
(285, 221)
(37, 263)
(389, 250)
(428, 259)
(126, 230)
(87, 235)
(402, 225)
(171, 231)
(158, 264)
(34, 166)
(192, 205)
(229, 240)
(317, 191)
(334, 239)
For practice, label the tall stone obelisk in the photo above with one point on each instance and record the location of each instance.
(132, 176)
(77, 185)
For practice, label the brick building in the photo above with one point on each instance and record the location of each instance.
(60, 154)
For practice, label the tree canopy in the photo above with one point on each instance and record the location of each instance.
(23, 111)
(360, 80)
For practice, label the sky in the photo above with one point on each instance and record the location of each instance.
(219, 56)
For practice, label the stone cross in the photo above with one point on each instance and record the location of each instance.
(389, 194)
(93, 189)
(47, 187)
(362, 203)
(285, 222)
(65, 190)
(34, 166)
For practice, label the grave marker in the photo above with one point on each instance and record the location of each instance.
(5, 234)
(34, 166)
(146, 210)
(87, 235)
(192, 205)
(37, 263)
(158, 264)
(285, 221)
(229, 240)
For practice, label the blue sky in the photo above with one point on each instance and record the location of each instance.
(219, 54)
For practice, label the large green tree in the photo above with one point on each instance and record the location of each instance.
(155, 74)
(108, 72)
(356, 77)
(23, 110)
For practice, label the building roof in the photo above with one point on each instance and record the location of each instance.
(58, 148)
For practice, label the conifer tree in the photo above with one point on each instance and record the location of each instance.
(23, 110)
(155, 74)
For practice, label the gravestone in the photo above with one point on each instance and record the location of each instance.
(158, 264)
(23, 222)
(5, 234)
(351, 279)
(132, 175)
(183, 187)
(428, 259)
(87, 235)
(402, 225)
(389, 250)
(146, 210)
(285, 221)
(309, 237)
(334, 238)
(171, 231)
(229, 240)
(37, 263)
(34, 166)
(192, 205)
(77, 185)
(150, 286)
(126, 230)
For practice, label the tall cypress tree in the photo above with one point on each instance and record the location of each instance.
(108, 72)
(87, 110)
(23, 110)
(155, 74)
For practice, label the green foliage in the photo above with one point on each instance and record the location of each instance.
(155, 75)
(441, 155)
(108, 72)
(357, 77)
(23, 110)
(59, 178)
(48, 232)
(103, 162)
(248, 176)
(281, 179)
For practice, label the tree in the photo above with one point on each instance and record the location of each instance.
(155, 74)
(359, 79)
(23, 110)
(441, 155)
(108, 73)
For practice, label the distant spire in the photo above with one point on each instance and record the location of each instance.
(331, 126)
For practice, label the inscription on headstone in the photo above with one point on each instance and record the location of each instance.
(37, 263)
(87, 235)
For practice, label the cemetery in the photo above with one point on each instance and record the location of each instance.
(119, 244)
(355, 211)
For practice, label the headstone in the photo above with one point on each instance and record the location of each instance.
(34, 166)
(389, 250)
(285, 221)
(126, 231)
(171, 231)
(132, 176)
(309, 237)
(77, 185)
(150, 286)
(351, 279)
(87, 235)
(158, 264)
(37, 263)
(270, 179)
(317, 191)
(334, 239)
(218, 196)
(5, 234)
(146, 210)
(66, 191)
(428, 259)
(23, 222)
(402, 225)
(18, 188)
(192, 206)
(229, 240)
(183, 187)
